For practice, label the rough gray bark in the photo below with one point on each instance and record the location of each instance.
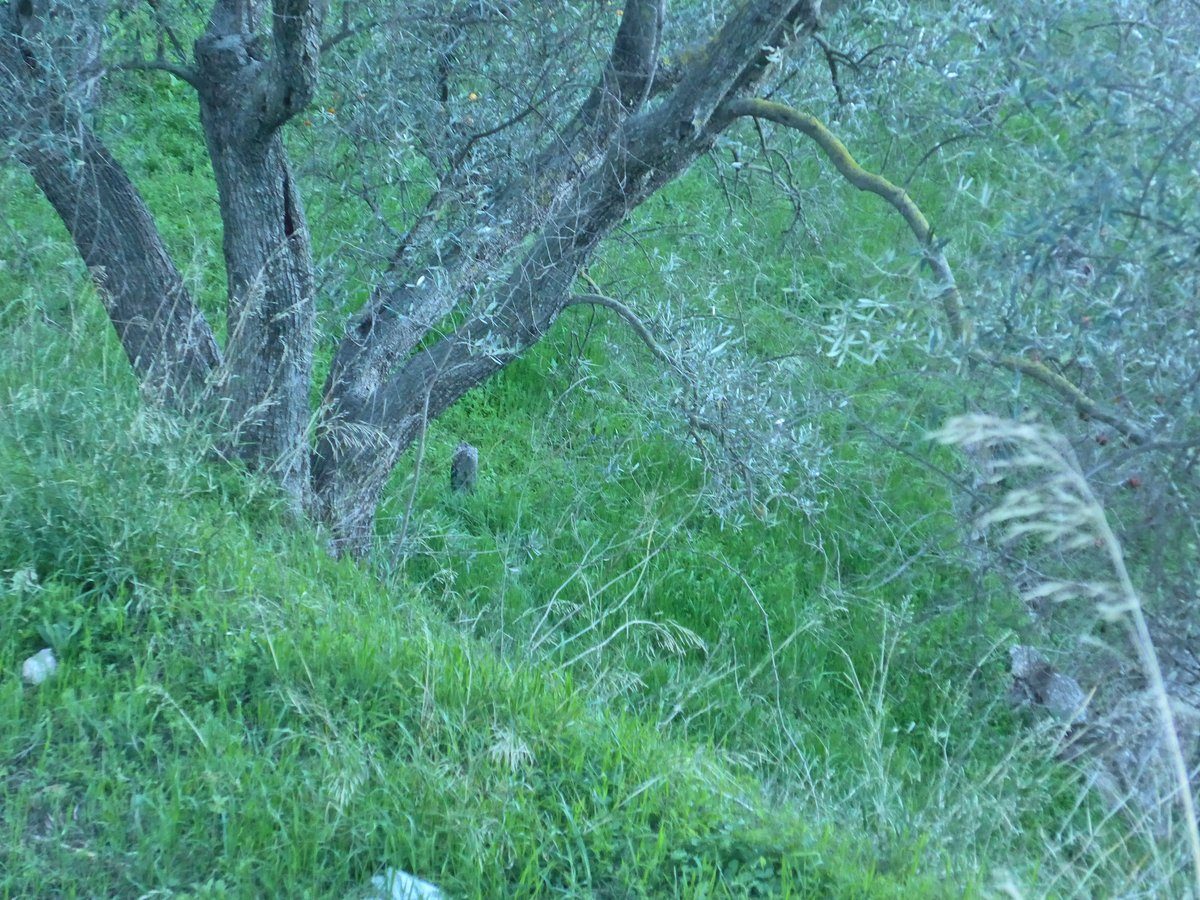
(390, 373)
(428, 282)
(244, 102)
(169, 345)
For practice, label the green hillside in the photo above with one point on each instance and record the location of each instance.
(600, 674)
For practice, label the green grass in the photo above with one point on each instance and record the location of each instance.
(235, 713)
(577, 680)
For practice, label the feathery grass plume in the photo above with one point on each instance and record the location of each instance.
(1059, 507)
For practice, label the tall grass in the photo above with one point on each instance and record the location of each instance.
(575, 681)
(237, 714)
(1058, 507)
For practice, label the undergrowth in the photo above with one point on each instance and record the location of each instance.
(235, 713)
(577, 680)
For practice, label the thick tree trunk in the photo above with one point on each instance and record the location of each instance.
(270, 314)
(45, 96)
(429, 278)
(371, 413)
(354, 459)
(168, 342)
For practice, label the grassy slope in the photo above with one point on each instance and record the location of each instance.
(236, 708)
(236, 711)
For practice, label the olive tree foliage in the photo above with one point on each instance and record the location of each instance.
(1070, 131)
(497, 145)
(578, 113)
(1062, 138)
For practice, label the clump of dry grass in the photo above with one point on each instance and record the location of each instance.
(1056, 505)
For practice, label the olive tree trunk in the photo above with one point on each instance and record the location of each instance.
(244, 103)
(169, 345)
(254, 68)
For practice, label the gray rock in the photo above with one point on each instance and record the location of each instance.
(464, 468)
(1036, 681)
(395, 884)
(39, 667)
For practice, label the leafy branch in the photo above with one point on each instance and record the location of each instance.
(949, 296)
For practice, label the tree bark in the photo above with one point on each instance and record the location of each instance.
(165, 337)
(270, 313)
(168, 342)
(245, 98)
(431, 275)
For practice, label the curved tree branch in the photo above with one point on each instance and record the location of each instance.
(832, 58)
(631, 319)
(918, 224)
(184, 73)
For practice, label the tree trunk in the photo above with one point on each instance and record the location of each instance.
(45, 99)
(168, 343)
(270, 314)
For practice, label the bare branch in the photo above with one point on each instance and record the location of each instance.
(165, 26)
(832, 58)
(630, 317)
(183, 73)
(347, 29)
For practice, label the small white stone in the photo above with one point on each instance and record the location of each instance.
(25, 581)
(39, 667)
(397, 885)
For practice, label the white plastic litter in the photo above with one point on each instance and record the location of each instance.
(39, 667)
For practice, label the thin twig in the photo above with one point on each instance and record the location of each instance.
(630, 317)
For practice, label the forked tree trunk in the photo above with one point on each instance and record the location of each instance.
(390, 374)
(635, 152)
(356, 453)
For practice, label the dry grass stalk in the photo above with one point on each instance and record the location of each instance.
(1059, 507)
